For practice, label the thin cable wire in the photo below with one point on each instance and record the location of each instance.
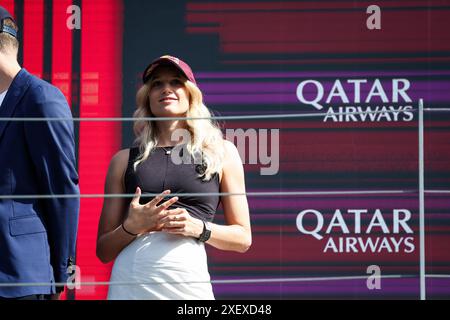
(251, 194)
(437, 109)
(228, 281)
(223, 281)
(208, 194)
(437, 191)
(421, 204)
(240, 117)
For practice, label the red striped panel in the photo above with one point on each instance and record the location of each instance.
(253, 28)
(307, 5)
(62, 49)
(340, 60)
(33, 36)
(101, 96)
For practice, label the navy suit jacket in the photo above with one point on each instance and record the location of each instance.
(37, 236)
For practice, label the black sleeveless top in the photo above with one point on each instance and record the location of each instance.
(158, 173)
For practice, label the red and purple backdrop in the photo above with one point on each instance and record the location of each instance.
(271, 57)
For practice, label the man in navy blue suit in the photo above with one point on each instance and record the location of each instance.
(37, 235)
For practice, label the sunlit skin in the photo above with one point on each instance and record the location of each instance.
(168, 98)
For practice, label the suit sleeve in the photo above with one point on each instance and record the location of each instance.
(52, 149)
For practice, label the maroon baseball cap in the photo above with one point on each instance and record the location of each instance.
(173, 61)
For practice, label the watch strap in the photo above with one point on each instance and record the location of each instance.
(206, 233)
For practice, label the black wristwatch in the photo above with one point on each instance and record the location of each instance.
(206, 233)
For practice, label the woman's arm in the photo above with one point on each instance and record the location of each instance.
(111, 238)
(236, 235)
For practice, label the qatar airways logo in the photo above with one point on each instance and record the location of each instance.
(359, 100)
(359, 231)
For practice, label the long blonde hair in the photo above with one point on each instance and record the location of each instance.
(206, 136)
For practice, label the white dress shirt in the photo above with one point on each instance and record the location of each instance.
(2, 96)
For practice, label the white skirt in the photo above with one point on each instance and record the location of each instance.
(161, 266)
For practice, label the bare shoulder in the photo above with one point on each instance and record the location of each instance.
(120, 159)
(232, 156)
(118, 165)
(232, 163)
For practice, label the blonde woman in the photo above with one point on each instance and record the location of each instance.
(159, 243)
